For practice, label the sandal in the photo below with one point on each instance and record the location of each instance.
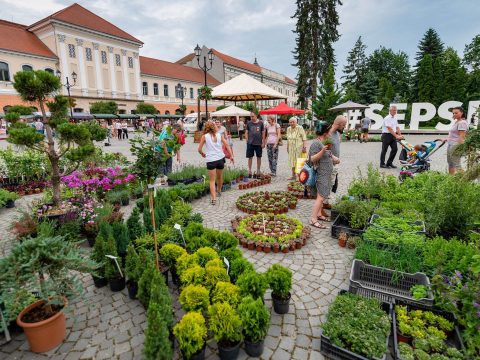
(324, 218)
(213, 201)
(317, 225)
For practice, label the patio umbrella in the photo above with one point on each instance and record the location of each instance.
(349, 105)
(282, 109)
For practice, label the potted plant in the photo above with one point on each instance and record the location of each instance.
(114, 197)
(194, 298)
(267, 247)
(252, 283)
(98, 255)
(342, 239)
(280, 281)
(284, 248)
(133, 270)
(255, 318)
(169, 253)
(48, 265)
(124, 197)
(113, 272)
(226, 328)
(191, 333)
(259, 246)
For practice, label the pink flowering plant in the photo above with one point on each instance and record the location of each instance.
(97, 181)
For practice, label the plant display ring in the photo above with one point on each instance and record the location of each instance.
(274, 202)
(270, 232)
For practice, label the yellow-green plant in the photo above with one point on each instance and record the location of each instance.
(226, 292)
(191, 334)
(194, 298)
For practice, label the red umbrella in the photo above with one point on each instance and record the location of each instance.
(281, 109)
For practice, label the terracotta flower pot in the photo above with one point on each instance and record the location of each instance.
(342, 243)
(259, 247)
(43, 335)
(267, 249)
(285, 250)
(298, 245)
(251, 245)
(404, 338)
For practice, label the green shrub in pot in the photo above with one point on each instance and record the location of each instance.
(225, 324)
(169, 253)
(194, 275)
(255, 318)
(226, 292)
(194, 298)
(252, 283)
(238, 267)
(215, 274)
(205, 254)
(191, 333)
(279, 280)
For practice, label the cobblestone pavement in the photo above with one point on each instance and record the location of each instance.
(111, 326)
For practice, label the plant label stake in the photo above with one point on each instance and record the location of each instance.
(152, 214)
(263, 222)
(225, 260)
(179, 228)
(116, 262)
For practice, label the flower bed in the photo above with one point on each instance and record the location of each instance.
(275, 202)
(299, 190)
(268, 232)
(260, 180)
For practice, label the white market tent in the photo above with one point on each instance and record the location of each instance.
(245, 88)
(231, 111)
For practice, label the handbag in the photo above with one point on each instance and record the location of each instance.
(307, 174)
(300, 162)
(226, 152)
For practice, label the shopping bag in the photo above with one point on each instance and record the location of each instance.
(226, 152)
(300, 162)
(307, 175)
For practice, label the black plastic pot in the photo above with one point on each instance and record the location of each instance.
(165, 275)
(198, 356)
(125, 202)
(10, 204)
(281, 306)
(229, 353)
(132, 288)
(99, 282)
(117, 284)
(254, 349)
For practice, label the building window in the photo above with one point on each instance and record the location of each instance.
(191, 93)
(4, 73)
(104, 57)
(145, 88)
(130, 62)
(165, 90)
(50, 70)
(71, 50)
(117, 60)
(27, 68)
(88, 54)
(155, 89)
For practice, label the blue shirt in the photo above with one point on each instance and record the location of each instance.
(164, 136)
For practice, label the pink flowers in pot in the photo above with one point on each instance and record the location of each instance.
(98, 180)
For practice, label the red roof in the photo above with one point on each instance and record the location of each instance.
(237, 62)
(288, 80)
(167, 69)
(16, 37)
(76, 14)
(281, 109)
(185, 59)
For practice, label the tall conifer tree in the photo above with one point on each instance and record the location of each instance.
(355, 68)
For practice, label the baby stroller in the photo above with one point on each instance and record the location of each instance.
(416, 159)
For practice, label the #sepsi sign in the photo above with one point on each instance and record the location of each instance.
(421, 112)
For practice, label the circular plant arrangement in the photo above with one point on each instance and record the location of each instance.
(274, 202)
(298, 189)
(268, 232)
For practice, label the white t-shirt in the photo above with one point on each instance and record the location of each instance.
(213, 149)
(391, 122)
(118, 125)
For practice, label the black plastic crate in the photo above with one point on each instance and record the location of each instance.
(387, 285)
(334, 352)
(341, 225)
(454, 339)
(418, 222)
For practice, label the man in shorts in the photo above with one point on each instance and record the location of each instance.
(365, 123)
(255, 142)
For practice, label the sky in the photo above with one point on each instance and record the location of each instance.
(244, 29)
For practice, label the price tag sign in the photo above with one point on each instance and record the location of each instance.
(225, 260)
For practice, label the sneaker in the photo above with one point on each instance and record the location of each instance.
(391, 166)
(383, 166)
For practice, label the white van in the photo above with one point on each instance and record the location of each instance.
(190, 122)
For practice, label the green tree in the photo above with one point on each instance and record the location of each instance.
(355, 67)
(328, 96)
(73, 141)
(471, 54)
(135, 227)
(426, 79)
(316, 29)
(20, 110)
(454, 77)
(385, 92)
(157, 343)
(430, 44)
(367, 91)
(472, 87)
(104, 107)
(143, 108)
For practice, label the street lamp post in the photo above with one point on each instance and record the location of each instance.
(205, 68)
(68, 86)
(181, 91)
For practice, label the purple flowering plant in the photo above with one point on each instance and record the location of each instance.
(460, 294)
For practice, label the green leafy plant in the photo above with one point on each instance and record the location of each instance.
(157, 344)
(120, 234)
(194, 275)
(169, 253)
(205, 254)
(225, 324)
(255, 318)
(238, 267)
(252, 283)
(280, 280)
(144, 285)
(160, 295)
(191, 333)
(358, 324)
(135, 227)
(194, 298)
(215, 274)
(14, 301)
(133, 266)
(226, 292)
(419, 292)
(111, 269)
(214, 263)
(231, 254)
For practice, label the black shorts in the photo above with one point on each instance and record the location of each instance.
(365, 131)
(251, 149)
(218, 164)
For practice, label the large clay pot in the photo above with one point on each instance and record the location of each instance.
(43, 335)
